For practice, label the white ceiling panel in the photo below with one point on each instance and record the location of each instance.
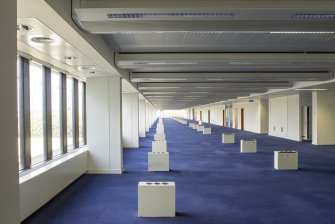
(191, 52)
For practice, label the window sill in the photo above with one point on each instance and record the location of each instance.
(44, 167)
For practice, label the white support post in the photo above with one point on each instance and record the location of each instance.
(147, 117)
(104, 130)
(323, 110)
(9, 168)
(130, 120)
(142, 119)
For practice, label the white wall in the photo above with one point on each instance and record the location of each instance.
(251, 115)
(323, 111)
(142, 122)
(104, 129)
(285, 117)
(175, 113)
(130, 120)
(40, 186)
(9, 170)
(216, 114)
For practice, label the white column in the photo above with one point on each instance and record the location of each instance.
(104, 128)
(142, 120)
(323, 110)
(150, 115)
(9, 170)
(130, 118)
(147, 117)
(264, 116)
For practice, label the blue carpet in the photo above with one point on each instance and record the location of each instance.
(215, 183)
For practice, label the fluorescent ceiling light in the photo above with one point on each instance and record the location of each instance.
(86, 67)
(188, 32)
(160, 87)
(311, 89)
(42, 40)
(303, 32)
(214, 79)
(172, 63)
(259, 62)
(159, 96)
(160, 79)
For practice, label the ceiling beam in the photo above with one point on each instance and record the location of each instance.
(145, 58)
(221, 77)
(226, 85)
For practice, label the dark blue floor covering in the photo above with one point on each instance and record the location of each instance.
(214, 183)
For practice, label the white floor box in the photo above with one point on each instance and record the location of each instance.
(207, 131)
(191, 125)
(158, 161)
(159, 137)
(248, 145)
(159, 146)
(156, 199)
(195, 126)
(228, 138)
(200, 127)
(286, 160)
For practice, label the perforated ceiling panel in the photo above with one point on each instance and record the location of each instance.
(222, 42)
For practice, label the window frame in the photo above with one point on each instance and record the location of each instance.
(24, 113)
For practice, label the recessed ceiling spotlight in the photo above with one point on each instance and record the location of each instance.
(94, 72)
(24, 27)
(86, 67)
(70, 58)
(42, 40)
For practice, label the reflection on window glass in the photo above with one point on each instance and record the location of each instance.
(36, 113)
(81, 112)
(69, 109)
(18, 110)
(55, 112)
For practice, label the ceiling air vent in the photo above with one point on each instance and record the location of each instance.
(314, 16)
(169, 15)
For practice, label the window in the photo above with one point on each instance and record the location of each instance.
(56, 112)
(50, 111)
(36, 113)
(69, 113)
(81, 113)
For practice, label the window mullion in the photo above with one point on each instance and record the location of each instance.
(84, 113)
(75, 115)
(63, 128)
(25, 137)
(47, 119)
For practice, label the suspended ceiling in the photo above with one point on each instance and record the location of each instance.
(179, 54)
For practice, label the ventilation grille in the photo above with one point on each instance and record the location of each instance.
(314, 16)
(169, 15)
